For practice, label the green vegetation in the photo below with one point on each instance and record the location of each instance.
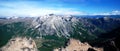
(19, 29)
(52, 42)
(9, 30)
(81, 33)
(47, 42)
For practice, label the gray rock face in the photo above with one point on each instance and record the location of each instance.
(59, 25)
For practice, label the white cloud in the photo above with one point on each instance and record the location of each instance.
(29, 9)
(35, 9)
(106, 13)
(75, 13)
(116, 12)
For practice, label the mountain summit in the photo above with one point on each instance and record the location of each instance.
(54, 24)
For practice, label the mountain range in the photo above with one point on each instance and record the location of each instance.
(53, 31)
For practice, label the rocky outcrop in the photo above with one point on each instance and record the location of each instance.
(53, 24)
(20, 44)
(76, 45)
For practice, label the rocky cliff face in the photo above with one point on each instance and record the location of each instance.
(63, 26)
(53, 24)
(56, 29)
(76, 45)
(20, 44)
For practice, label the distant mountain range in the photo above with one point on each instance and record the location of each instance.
(56, 29)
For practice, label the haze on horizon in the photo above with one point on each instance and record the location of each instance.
(60, 7)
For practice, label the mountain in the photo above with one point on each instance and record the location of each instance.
(53, 31)
(76, 45)
(106, 23)
(50, 25)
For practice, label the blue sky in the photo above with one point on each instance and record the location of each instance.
(61, 7)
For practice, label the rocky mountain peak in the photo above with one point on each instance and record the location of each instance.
(76, 45)
(20, 44)
(59, 25)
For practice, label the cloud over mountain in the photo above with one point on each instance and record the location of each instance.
(116, 12)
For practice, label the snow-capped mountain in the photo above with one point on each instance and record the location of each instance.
(54, 24)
